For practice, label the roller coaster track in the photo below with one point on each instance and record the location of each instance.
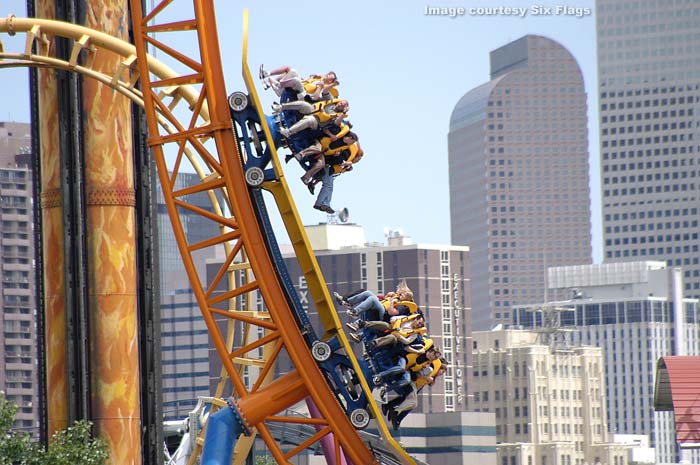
(189, 122)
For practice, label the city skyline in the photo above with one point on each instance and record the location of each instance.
(403, 142)
(401, 57)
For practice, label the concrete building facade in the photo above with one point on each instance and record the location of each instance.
(549, 402)
(518, 174)
(19, 375)
(636, 313)
(649, 80)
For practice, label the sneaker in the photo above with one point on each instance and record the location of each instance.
(276, 107)
(351, 312)
(352, 326)
(385, 409)
(320, 207)
(354, 337)
(394, 418)
(361, 323)
(287, 158)
(323, 208)
(262, 74)
(339, 298)
(285, 132)
(382, 393)
(311, 187)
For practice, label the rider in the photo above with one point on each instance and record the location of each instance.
(335, 165)
(403, 329)
(366, 304)
(397, 409)
(321, 87)
(316, 87)
(316, 116)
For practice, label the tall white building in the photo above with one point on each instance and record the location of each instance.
(649, 82)
(549, 402)
(636, 313)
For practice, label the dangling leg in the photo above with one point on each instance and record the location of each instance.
(323, 201)
(303, 107)
(313, 154)
(307, 122)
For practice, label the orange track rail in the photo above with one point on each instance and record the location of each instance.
(257, 404)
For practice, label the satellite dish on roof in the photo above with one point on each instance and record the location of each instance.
(343, 215)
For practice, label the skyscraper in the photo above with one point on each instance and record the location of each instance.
(184, 336)
(196, 227)
(518, 170)
(185, 353)
(649, 78)
(18, 344)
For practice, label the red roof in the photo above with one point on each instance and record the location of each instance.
(678, 389)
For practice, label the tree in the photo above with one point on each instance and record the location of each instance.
(15, 447)
(75, 445)
(72, 446)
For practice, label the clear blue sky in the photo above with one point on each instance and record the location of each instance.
(402, 72)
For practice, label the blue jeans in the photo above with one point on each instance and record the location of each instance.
(366, 301)
(360, 297)
(326, 193)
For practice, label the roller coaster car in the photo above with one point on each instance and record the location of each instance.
(250, 134)
(255, 151)
(341, 375)
(338, 370)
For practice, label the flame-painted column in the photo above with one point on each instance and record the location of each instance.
(107, 166)
(110, 199)
(52, 253)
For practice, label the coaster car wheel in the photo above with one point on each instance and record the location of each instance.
(238, 101)
(321, 351)
(359, 418)
(254, 176)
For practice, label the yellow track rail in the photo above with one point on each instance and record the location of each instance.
(307, 260)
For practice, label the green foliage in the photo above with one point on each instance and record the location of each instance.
(75, 445)
(15, 447)
(72, 446)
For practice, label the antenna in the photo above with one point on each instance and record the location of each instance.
(551, 332)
